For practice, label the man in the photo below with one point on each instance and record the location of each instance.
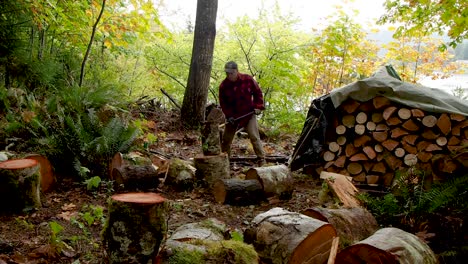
(241, 99)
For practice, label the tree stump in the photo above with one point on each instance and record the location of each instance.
(351, 224)
(238, 192)
(275, 180)
(388, 245)
(180, 175)
(135, 227)
(212, 168)
(281, 236)
(136, 177)
(20, 185)
(48, 178)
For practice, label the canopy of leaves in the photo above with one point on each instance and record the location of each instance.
(429, 16)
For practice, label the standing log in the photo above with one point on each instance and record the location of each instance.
(238, 192)
(20, 185)
(210, 169)
(275, 180)
(135, 227)
(351, 224)
(136, 177)
(388, 246)
(280, 236)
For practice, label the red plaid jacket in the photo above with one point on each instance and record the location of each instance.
(240, 97)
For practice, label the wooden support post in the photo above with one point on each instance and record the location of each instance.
(135, 227)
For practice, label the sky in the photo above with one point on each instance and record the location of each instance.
(310, 12)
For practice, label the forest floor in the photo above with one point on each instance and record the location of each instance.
(67, 228)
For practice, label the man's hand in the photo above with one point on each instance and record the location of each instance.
(231, 121)
(257, 111)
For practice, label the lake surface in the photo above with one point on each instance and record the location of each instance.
(448, 84)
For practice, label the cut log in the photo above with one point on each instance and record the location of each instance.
(411, 160)
(48, 179)
(429, 134)
(444, 124)
(354, 168)
(409, 148)
(457, 117)
(275, 180)
(333, 146)
(380, 102)
(350, 150)
(378, 148)
(361, 118)
(210, 137)
(388, 246)
(380, 136)
(351, 224)
(371, 126)
(381, 127)
(344, 190)
(238, 192)
(379, 168)
(388, 112)
(429, 121)
(417, 113)
(404, 113)
(377, 117)
(348, 121)
(340, 130)
(393, 162)
(328, 156)
(372, 179)
(20, 185)
(339, 162)
(281, 236)
(139, 219)
(400, 152)
(370, 152)
(136, 177)
(341, 140)
(359, 129)
(441, 141)
(210, 169)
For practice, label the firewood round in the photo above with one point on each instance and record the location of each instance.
(361, 118)
(341, 140)
(399, 152)
(371, 126)
(340, 130)
(333, 147)
(429, 121)
(404, 113)
(411, 159)
(360, 129)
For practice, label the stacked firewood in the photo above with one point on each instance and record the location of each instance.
(371, 140)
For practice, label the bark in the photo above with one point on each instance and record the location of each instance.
(133, 177)
(238, 192)
(275, 180)
(210, 169)
(280, 236)
(193, 106)
(135, 227)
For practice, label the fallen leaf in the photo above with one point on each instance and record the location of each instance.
(68, 207)
(67, 215)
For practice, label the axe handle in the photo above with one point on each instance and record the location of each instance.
(240, 117)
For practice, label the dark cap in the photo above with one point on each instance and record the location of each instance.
(230, 67)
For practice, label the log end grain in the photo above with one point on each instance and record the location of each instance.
(139, 198)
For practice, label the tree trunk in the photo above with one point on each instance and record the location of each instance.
(135, 227)
(280, 236)
(388, 246)
(20, 187)
(193, 106)
(136, 177)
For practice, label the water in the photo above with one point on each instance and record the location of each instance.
(456, 81)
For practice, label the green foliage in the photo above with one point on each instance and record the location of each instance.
(183, 256)
(93, 183)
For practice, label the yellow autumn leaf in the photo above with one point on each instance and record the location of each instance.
(107, 44)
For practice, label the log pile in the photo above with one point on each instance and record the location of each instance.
(371, 140)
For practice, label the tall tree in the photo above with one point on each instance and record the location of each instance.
(429, 16)
(196, 93)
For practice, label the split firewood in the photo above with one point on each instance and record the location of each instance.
(379, 168)
(352, 224)
(388, 112)
(410, 125)
(424, 156)
(394, 121)
(417, 113)
(380, 136)
(433, 147)
(361, 177)
(350, 106)
(370, 152)
(429, 121)
(409, 148)
(410, 139)
(398, 132)
(367, 165)
(444, 124)
(275, 180)
(422, 145)
(393, 162)
(342, 187)
(281, 236)
(377, 117)
(390, 144)
(387, 178)
(333, 250)
(381, 127)
(388, 245)
(329, 164)
(453, 141)
(238, 192)
(372, 179)
(457, 117)
(381, 102)
(361, 141)
(366, 107)
(358, 157)
(340, 162)
(404, 113)
(443, 164)
(350, 150)
(20, 185)
(456, 130)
